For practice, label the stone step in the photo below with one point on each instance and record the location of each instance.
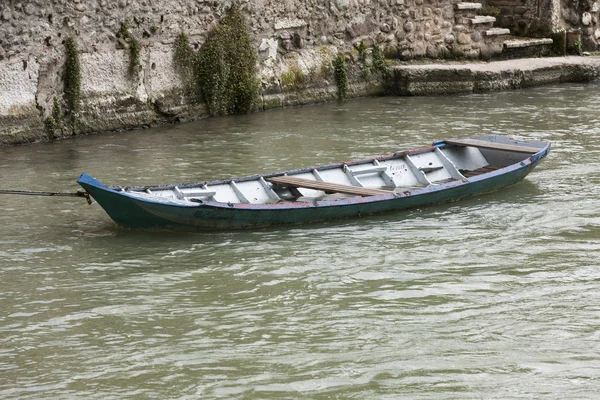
(519, 43)
(497, 32)
(468, 6)
(483, 19)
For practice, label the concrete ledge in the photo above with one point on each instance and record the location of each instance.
(513, 44)
(441, 79)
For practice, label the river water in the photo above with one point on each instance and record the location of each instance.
(492, 297)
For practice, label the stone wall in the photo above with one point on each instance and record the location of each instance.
(582, 16)
(539, 18)
(289, 35)
(525, 18)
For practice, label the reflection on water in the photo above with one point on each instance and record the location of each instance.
(495, 296)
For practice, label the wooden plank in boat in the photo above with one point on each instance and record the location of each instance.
(480, 171)
(484, 144)
(290, 181)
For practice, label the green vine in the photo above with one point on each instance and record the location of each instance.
(224, 70)
(123, 31)
(341, 76)
(54, 121)
(57, 111)
(185, 60)
(362, 52)
(226, 67)
(577, 46)
(134, 48)
(51, 125)
(134, 57)
(183, 52)
(378, 60)
(73, 76)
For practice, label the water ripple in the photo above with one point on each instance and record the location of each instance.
(492, 297)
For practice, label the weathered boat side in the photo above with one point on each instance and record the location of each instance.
(133, 211)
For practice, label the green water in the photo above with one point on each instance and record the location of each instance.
(493, 297)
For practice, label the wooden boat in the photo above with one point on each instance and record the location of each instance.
(448, 170)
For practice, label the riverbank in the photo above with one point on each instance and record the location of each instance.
(136, 109)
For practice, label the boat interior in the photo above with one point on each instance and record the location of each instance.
(450, 160)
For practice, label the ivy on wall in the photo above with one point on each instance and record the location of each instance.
(378, 60)
(224, 68)
(72, 76)
(54, 122)
(134, 48)
(340, 72)
(185, 63)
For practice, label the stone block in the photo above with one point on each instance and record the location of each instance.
(512, 44)
(520, 10)
(497, 32)
(483, 19)
(463, 38)
(6, 14)
(288, 23)
(468, 6)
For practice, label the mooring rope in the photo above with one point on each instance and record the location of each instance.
(79, 193)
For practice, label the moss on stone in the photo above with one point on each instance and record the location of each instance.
(55, 121)
(123, 32)
(272, 102)
(72, 76)
(51, 126)
(362, 52)
(134, 57)
(379, 64)
(341, 75)
(325, 70)
(294, 79)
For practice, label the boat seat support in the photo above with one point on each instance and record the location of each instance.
(449, 165)
(419, 174)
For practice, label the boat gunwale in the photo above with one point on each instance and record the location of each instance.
(324, 167)
(327, 203)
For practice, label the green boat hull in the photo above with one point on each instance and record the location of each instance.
(132, 212)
